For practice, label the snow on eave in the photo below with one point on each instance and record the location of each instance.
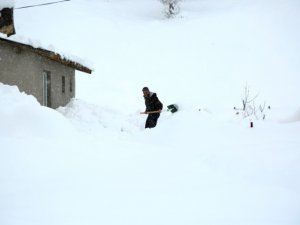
(70, 61)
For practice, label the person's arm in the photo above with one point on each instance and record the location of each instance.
(158, 104)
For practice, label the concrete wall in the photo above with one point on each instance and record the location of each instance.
(24, 68)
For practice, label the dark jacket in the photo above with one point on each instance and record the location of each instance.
(152, 103)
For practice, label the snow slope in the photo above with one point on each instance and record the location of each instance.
(6, 3)
(214, 48)
(92, 162)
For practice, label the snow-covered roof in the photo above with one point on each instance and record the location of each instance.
(7, 4)
(50, 55)
(38, 44)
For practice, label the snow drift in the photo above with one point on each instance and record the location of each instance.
(22, 116)
(201, 165)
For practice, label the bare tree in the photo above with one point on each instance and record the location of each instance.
(246, 99)
(249, 106)
(171, 7)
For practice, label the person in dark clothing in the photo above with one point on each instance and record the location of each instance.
(153, 107)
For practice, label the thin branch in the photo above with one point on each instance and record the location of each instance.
(49, 3)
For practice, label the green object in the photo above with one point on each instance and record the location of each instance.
(172, 108)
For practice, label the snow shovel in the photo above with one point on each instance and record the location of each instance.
(172, 108)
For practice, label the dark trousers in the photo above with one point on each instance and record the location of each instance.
(152, 120)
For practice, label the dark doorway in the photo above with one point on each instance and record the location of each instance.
(46, 89)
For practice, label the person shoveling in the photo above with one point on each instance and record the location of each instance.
(154, 107)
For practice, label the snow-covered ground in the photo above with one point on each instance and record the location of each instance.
(92, 162)
(6, 3)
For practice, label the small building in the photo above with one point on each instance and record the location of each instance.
(46, 75)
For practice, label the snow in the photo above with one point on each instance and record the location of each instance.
(50, 47)
(92, 162)
(6, 4)
(23, 115)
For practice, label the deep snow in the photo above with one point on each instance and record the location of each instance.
(6, 3)
(92, 162)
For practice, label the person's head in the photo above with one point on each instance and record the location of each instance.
(146, 91)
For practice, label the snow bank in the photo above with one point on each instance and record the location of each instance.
(7, 4)
(93, 118)
(196, 167)
(21, 115)
(289, 115)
